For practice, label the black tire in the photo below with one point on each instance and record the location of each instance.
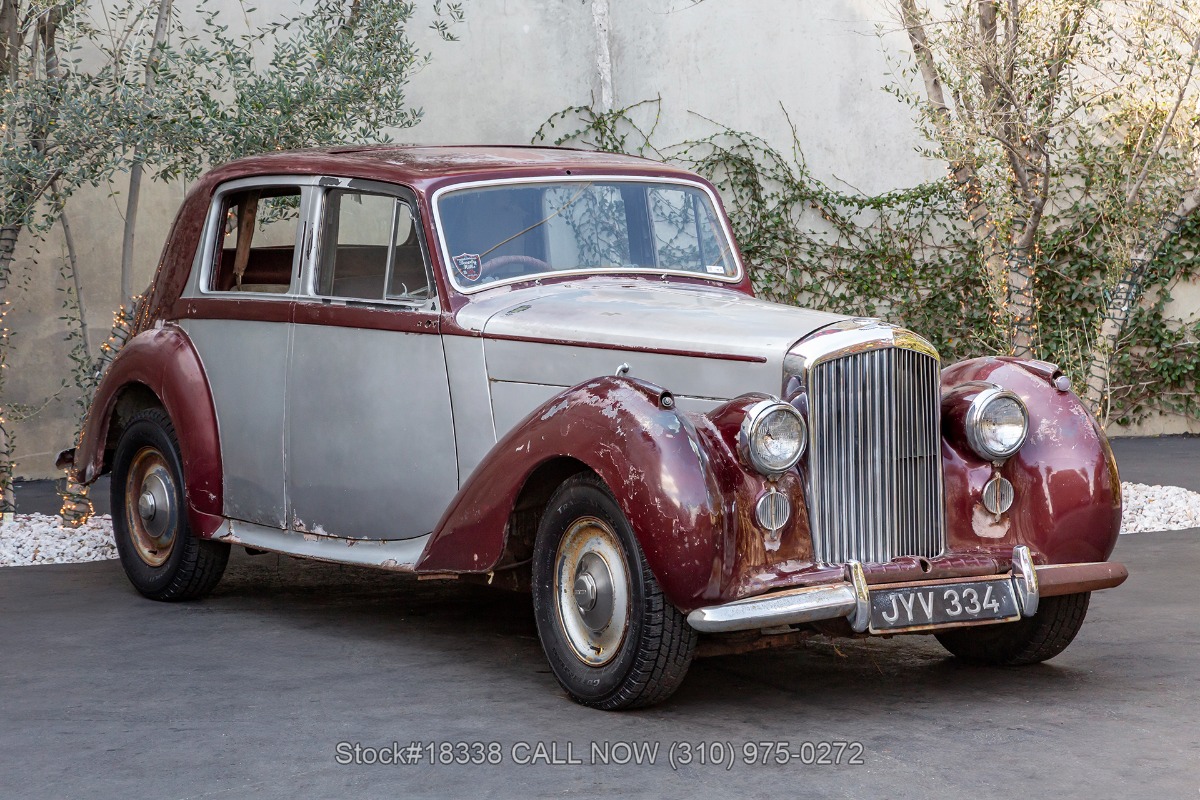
(189, 567)
(1027, 641)
(657, 644)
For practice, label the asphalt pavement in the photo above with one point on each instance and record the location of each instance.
(1167, 460)
(257, 690)
(42, 497)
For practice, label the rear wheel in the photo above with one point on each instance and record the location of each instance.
(1027, 641)
(613, 641)
(161, 557)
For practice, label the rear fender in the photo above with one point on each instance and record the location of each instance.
(163, 361)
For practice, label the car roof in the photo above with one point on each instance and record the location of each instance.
(425, 168)
(424, 165)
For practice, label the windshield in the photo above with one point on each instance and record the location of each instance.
(500, 232)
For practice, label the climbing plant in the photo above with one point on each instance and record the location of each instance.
(909, 256)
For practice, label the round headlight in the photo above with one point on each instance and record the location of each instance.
(997, 424)
(772, 437)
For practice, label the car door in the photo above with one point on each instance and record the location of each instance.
(241, 297)
(370, 437)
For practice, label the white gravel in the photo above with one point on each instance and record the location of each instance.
(42, 539)
(1158, 508)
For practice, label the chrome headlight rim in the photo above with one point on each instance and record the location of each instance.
(752, 424)
(976, 413)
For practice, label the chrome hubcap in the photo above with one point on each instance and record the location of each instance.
(594, 593)
(146, 506)
(585, 593)
(150, 507)
(593, 590)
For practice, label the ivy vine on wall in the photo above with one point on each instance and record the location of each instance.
(906, 257)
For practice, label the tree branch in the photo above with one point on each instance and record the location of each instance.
(1012, 29)
(962, 170)
(1125, 298)
(929, 74)
(161, 26)
(10, 40)
(1136, 187)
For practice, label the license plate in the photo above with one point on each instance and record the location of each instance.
(923, 606)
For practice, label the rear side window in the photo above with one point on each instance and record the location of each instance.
(369, 249)
(258, 240)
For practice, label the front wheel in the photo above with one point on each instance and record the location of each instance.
(613, 641)
(161, 557)
(1027, 641)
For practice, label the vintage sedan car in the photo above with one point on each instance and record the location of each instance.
(547, 368)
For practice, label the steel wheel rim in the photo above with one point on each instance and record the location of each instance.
(592, 590)
(150, 507)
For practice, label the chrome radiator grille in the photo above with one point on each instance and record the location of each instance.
(875, 459)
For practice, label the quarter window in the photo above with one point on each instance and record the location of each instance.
(258, 240)
(370, 249)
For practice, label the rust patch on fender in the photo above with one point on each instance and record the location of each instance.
(987, 525)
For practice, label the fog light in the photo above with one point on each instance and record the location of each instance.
(773, 510)
(998, 495)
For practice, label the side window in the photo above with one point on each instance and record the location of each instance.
(370, 249)
(258, 240)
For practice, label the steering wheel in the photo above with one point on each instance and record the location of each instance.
(512, 266)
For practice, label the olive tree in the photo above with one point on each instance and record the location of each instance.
(56, 134)
(336, 73)
(163, 98)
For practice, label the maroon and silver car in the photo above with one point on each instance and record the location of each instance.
(546, 368)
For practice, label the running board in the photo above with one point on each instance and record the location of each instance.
(394, 554)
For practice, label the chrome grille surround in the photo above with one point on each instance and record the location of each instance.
(874, 466)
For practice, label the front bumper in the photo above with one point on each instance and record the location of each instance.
(851, 599)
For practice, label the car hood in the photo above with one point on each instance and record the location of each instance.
(643, 315)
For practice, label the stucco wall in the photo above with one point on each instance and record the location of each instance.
(518, 62)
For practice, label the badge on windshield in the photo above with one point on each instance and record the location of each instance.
(468, 265)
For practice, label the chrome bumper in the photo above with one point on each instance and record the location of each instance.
(852, 599)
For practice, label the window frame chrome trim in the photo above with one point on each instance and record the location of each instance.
(201, 276)
(404, 194)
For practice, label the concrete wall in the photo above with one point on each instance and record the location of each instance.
(518, 62)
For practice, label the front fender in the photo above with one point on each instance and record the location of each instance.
(672, 474)
(1067, 505)
(163, 361)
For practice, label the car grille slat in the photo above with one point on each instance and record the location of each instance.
(875, 461)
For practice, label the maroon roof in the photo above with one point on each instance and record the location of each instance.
(423, 167)
(426, 164)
